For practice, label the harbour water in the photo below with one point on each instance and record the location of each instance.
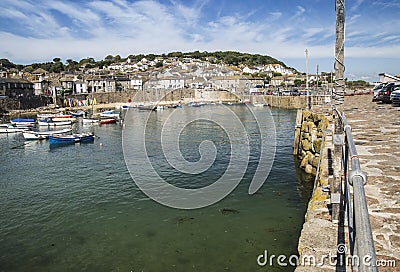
(76, 207)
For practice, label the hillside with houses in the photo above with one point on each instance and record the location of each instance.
(229, 71)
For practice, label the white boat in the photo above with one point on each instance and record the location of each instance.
(62, 119)
(79, 113)
(109, 114)
(41, 135)
(32, 136)
(147, 107)
(259, 105)
(8, 128)
(90, 121)
(45, 115)
(51, 115)
(47, 123)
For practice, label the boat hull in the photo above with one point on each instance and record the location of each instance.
(54, 124)
(22, 122)
(11, 130)
(90, 121)
(31, 136)
(108, 121)
(71, 139)
(40, 135)
(150, 108)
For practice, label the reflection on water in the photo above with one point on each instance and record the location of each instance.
(77, 208)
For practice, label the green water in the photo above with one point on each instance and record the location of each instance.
(76, 208)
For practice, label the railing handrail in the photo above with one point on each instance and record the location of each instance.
(360, 232)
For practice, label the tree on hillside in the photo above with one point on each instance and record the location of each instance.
(72, 65)
(109, 57)
(5, 63)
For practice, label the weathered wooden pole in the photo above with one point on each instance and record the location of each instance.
(308, 95)
(339, 54)
(338, 98)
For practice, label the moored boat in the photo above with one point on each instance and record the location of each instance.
(108, 121)
(71, 139)
(63, 119)
(90, 121)
(29, 135)
(40, 135)
(65, 139)
(260, 105)
(79, 113)
(23, 122)
(49, 122)
(9, 128)
(53, 115)
(148, 107)
(109, 114)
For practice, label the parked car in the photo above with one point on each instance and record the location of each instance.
(395, 95)
(384, 94)
(376, 91)
(295, 92)
(305, 93)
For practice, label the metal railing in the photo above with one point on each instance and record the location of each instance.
(360, 234)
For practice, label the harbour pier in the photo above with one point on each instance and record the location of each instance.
(333, 228)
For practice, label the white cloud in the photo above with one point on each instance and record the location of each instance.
(275, 15)
(357, 4)
(122, 27)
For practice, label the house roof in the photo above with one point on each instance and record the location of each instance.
(13, 80)
(39, 71)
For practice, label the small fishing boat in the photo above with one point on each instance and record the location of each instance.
(174, 106)
(41, 135)
(49, 122)
(79, 113)
(53, 115)
(9, 128)
(109, 114)
(71, 139)
(108, 121)
(63, 119)
(148, 107)
(90, 121)
(65, 139)
(23, 122)
(29, 136)
(86, 137)
(260, 105)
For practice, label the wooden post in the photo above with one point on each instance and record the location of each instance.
(297, 133)
(338, 98)
(336, 190)
(339, 54)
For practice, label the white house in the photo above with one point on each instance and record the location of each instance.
(136, 83)
(80, 87)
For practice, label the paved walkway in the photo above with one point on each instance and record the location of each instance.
(376, 131)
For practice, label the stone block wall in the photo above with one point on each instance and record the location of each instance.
(309, 141)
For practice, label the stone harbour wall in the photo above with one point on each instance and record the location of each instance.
(286, 102)
(309, 132)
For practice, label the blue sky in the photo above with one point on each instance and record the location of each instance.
(37, 31)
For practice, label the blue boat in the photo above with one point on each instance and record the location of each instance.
(23, 122)
(71, 139)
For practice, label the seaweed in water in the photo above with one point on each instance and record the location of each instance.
(228, 211)
(184, 219)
